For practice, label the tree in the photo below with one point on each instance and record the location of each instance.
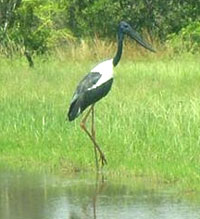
(35, 26)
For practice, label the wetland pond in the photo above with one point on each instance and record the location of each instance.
(43, 196)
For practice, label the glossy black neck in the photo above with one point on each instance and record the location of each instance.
(119, 49)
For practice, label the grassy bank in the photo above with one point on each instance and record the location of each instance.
(148, 125)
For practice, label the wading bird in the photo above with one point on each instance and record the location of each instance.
(97, 84)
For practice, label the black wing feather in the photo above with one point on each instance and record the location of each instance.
(86, 83)
(77, 100)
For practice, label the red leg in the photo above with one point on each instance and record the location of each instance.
(94, 137)
(83, 126)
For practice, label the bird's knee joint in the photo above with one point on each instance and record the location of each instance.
(82, 125)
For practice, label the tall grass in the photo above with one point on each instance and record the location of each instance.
(148, 125)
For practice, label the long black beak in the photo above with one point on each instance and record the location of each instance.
(136, 36)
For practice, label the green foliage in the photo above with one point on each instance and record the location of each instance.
(157, 17)
(34, 27)
(187, 39)
(38, 26)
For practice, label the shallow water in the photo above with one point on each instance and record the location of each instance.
(40, 196)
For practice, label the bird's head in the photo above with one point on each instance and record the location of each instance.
(125, 28)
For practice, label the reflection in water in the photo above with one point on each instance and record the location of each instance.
(99, 185)
(34, 196)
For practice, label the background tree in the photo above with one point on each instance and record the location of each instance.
(34, 26)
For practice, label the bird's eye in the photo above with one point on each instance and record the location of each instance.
(126, 26)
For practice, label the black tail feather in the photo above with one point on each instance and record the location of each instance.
(74, 111)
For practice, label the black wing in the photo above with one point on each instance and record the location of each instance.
(86, 83)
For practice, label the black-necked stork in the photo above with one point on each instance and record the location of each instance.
(97, 84)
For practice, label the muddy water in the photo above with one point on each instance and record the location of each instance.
(40, 196)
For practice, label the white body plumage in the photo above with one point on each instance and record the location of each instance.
(104, 68)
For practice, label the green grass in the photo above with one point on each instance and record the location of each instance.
(148, 125)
